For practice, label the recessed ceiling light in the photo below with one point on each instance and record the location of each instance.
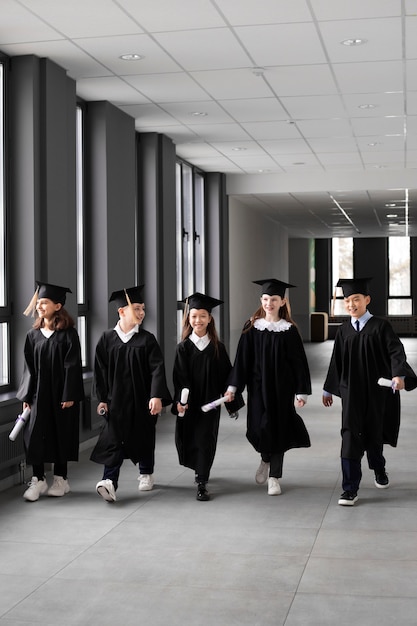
(353, 42)
(258, 71)
(367, 106)
(392, 215)
(263, 171)
(237, 149)
(391, 204)
(374, 143)
(299, 163)
(131, 57)
(198, 113)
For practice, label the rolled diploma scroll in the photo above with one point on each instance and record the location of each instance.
(184, 400)
(385, 382)
(212, 405)
(20, 422)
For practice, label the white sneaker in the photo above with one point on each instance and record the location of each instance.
(105, 489)
(274, 488)
(146, 482)
(60, 487)
(36, 488)
(262, 473)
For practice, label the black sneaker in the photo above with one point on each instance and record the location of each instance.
(202, 493)
(381, 480)
(348, 498)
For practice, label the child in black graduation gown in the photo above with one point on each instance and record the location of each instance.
(130, 384)
(366, 349)
(52, 387)
(271, 362)
(202, 366)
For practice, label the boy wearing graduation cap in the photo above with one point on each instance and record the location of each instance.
(201, 366)
(271, 362)
(365, 349)
(52, 387)
(130, 385)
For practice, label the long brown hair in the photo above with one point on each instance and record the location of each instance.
(61, 321)
(211, 331)
(284, 314)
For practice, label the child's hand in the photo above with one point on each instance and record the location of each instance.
(67, 405)
(155, 406)
(327, 400)
(181, 408)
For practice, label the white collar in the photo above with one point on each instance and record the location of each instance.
(46, 332)
(125, 337)
(276, 327)
(200, 342)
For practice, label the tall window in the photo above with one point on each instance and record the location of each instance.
(190, 202)
(399, 288)
(4, 311)
(342, 267)
(81, 262)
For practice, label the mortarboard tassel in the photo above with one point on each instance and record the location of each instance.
(31, 308)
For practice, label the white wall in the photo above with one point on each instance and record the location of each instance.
(258, 249)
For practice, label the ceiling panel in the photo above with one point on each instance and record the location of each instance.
(264, 92)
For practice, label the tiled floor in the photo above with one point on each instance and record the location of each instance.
(161, 558)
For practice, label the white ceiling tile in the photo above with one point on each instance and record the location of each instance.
(253, 163)
(109, 88)
(217, 164)
(255, 109)
(383, 40)
(186, 114)
(297, 160)
(396, 156)
(380, 142)
(411, 74)
(264, 130)
(219, 132)
(354, 9)
(286, 146)
(110, 49)
(385, 104)
(232, 84)
(412, 103)
(373, 77)
(345, 158)
(69, 56)
(84, 18)
(213, 48)
(279, 44)
(378, 126)
(230, 148)
(149, 115)
(249, 12)
(21, 26)
(167, 87)
(166, 15)
(314, 107)
(196, 150)
(325, 128)
(300, 80)
(410, 36)
(333, 144)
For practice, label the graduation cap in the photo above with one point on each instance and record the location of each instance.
(350, 286)
(125, 297)
(273, 287)
(201, 301)
(55, 293)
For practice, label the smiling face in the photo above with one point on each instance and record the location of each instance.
(47, 308)
(356, 304)
(271, 305)
(131, 315)
(199, 320)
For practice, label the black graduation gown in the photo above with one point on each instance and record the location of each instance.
(205, 375)
(370, 413)
(273, 366)
(52, 374)
(126, 377)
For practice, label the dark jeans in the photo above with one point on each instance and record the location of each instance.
(60, 469)
(146, 466)
(276, 461)
(352, 472)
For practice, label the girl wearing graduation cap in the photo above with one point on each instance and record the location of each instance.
(52, 387)
(271, 362)
(201, 366)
